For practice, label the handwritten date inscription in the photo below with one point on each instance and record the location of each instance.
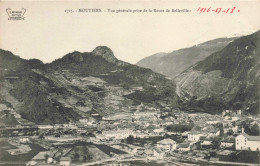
(217, 10)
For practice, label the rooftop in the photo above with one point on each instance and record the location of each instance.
(195, 132)
(41, 155)
(166, 141)
(229, 140)
(157, 150)
(251, 138)
(184, 145)
(65, 159)
(117, 131)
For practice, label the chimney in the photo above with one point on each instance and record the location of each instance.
(242, 130)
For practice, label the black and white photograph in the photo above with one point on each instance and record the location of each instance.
(130, 83)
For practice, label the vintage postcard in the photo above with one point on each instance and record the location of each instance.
(148, 83)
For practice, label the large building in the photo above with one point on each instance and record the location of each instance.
(247, 142)
(118, 134)
(166, 144)
(194, 136)
(65, 161)
(184, 147)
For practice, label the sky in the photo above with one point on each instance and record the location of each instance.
(48, 32)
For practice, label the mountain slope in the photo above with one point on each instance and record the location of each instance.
(78, 86)
(227, 79)
(172, 64)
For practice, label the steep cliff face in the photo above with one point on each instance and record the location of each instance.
(77, 86)
(230, 76)
(172, 64)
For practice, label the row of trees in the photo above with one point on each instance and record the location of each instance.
(179, 127)
(251, 129)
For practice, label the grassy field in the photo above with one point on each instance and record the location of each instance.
(85, 152)
(5, 156)
(154, 140)
(107, 149)
(243, 157)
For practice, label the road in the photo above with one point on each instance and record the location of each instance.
(13, 163)
(113, 159)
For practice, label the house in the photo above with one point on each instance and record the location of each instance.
(214, 133)
(81, 128)
(141, 135)
(138, 150)
(144, 113)
(227, 118)
(118, 134)
(148, 152)
(224, 152)
(158, 154)
(84, 121)
(212, 122)
(24, 140)
(256, 122)
(206, 142)
(65, 161)
(247, 142)
(100, 136)
(43, 156)
(185, 134)
(166, 144)
(31, 163)
(227, 142)
(235, 129)
(194, 136)
(45, 127)
(184, 147)
(159, 130)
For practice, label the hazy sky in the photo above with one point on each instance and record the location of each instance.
(48, 33)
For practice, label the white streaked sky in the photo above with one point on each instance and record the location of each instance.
(48, 33)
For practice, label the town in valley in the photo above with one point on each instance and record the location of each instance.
(146, 135)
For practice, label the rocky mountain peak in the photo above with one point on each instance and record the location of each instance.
(105, 53)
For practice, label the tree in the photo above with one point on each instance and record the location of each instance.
(230, 132)
(213, 154)
(84, 159)
(130, 139)
(180, 127)
(216, 143)
(46, 156)
(89, 157)
(76, 155)
(41, 136)
(233, 157)
(221, 129)
(85, 150)
(255, 130)
(199, 145)
(83, 134)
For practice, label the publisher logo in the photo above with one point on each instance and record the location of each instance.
(16, 14)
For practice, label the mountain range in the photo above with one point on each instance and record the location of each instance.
(173, 63)
(227, 79)
(223, 74)
(77, 86)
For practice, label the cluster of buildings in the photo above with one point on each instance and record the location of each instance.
(111, 130)
(47, 159)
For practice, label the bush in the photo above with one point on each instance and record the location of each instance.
(130, 139)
